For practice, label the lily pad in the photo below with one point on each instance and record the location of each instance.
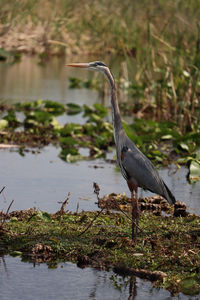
(69, 150)
(190, 286)
(73, 108)
(54, 108)
(73, 158)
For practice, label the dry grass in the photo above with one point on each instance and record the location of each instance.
(158, 40)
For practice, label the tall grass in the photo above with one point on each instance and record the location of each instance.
(159, 41)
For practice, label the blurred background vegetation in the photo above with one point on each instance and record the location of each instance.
(159, 41)
(156, 45)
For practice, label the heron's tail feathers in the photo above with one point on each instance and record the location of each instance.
(169, 196)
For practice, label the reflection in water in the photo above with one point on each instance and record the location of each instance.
(132, 288)
(24, 281)
(29, 81)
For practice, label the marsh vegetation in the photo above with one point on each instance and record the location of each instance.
(158, 78)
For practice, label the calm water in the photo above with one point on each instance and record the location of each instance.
(27, 281)
(42, 180)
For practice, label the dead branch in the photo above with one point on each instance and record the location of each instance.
(2, 189)
(62, 209)
(152, 276)
(90, 224)
(96, 191)
(9, 207)
(6, 214)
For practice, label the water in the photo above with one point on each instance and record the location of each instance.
(28, 281)
(42, 180)
(29, 81)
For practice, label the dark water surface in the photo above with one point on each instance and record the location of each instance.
(43, 179)
(30, 282)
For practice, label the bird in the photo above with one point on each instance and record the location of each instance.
(135, 167)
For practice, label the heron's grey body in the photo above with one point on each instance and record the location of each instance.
(135, 167)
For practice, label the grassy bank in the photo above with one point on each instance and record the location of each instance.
(167, 251)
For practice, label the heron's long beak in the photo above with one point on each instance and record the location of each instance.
(79, 65)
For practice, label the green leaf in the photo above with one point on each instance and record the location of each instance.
(97, 152)
(88, 110)
(14, 220)
(95, 118)
(89, 128)
(37, 117)
(70, 129)
(73, 108)
(16, 253)
(11, 118)
(100, 109)
(73, 158)
(65, 151)
(186, 73)
(194, 171)
(190, 286)
(182, 160)
(70, 141)
(198, 154)
(156, 153)
(184, 146)
(74, 83)
(3, 124)
(56, 125)
(54, 108)
(166, 137)
(46, 216)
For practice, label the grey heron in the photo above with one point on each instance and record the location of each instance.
(135, 167)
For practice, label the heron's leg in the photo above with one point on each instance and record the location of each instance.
(137, 212)
(134, 216)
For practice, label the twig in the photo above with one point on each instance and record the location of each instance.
(2, 189)
(77, 207)
(62, 209)
(9, 206)
(96, 191)
(98, 214)
(5, 215)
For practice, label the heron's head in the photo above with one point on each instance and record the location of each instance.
(95, 65)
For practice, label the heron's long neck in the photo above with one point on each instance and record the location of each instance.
(117, 123)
